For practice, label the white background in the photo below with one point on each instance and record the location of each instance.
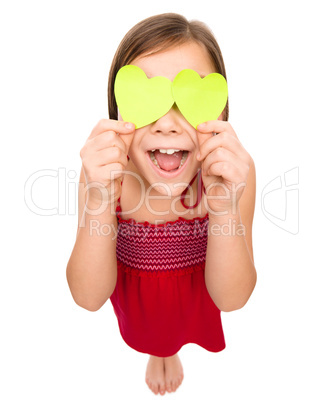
(54, 71)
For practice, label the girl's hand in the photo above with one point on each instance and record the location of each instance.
(225, 165)
(104, 159)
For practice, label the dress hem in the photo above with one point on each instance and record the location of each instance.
(217, 350)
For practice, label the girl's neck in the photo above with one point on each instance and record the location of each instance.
(137, 196)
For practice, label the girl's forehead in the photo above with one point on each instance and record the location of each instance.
(168, 63)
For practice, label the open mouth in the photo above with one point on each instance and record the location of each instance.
(168, 160)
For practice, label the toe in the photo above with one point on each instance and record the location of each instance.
(155, 389)
(152, 386)
(174, 386)
(169, 386)
(162, 389)
(178, 382)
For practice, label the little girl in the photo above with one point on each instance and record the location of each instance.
(165, 211)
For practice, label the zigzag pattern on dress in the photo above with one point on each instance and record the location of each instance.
(174, 247)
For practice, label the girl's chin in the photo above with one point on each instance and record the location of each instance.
(166, 190)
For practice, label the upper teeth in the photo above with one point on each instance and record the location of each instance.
(166, 151)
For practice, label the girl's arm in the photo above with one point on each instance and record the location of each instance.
(92, 268)
(230, 274)
(229, 177)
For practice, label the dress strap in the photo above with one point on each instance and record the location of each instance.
(200, 189)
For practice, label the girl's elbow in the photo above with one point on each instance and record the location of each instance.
(227, 307)
(88, 302)
(89, 306)
(228, 304)
(93, 308)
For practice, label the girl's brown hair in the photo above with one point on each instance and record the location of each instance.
(158, 33)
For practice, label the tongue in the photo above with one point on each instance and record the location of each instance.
(168, 162)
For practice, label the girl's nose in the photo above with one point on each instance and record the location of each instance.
(170, 123)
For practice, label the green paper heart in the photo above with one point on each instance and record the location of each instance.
(141, 100)
(200, 99)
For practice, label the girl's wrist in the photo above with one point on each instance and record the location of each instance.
(228, 223)
(96, 207)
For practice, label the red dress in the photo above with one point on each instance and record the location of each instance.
(160, 299)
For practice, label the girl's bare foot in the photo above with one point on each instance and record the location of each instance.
(155, 375)
(173, 372)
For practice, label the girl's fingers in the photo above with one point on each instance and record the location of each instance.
(222, 162)
(127, 140)
(226, 170)
(108, 139)
(224, 140)
(216, 126)
(118, 126)
(110, 155)
(220, 155)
